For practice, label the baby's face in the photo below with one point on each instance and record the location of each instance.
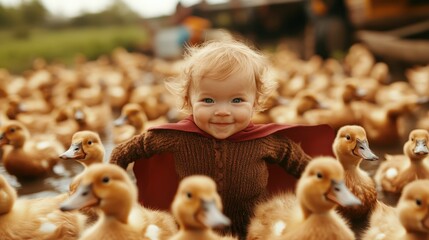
(223, 107)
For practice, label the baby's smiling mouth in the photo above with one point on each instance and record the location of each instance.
(221, 123)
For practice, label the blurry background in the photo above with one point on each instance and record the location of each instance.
(115, 52)
(61, 30)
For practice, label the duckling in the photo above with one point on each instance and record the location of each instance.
(418, 77)
(87, 149)
(197, 208)
(91, 118)
(109, 188)
(350, 147)
(399, 170)
(36, 122)
(381, 122)
(310, 213)
(131, 122)
(35, 218)
(408, 221)
(339, 112)
(64, 125)
(28, 157)
(294, 112)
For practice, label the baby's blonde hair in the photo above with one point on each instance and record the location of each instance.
(218, 60)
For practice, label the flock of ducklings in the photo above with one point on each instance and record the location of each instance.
(52, 113)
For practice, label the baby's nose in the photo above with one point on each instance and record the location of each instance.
(222, 111)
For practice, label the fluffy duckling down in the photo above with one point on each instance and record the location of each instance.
(197, 208)
(87, 149)
(26, 156)
(399, 170)
(108, 188)
(35, 218)
(310, 213)
(350, 148)
(131, 122)
(408, 221)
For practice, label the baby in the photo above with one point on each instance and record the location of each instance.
(222, 85)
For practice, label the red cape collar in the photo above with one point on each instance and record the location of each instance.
(253, 131)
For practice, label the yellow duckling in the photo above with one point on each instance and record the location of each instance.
(35, 122)
(339, 112)
(408, 221)
(109, 188)
(399, 170)
(65, 126)
(92, 118)
(294, 112)
(35, 218)
(27, 156)
(310, 214)
(381, 122)
(350, 147)
(197, 208)
(87, 149)
(131, 122)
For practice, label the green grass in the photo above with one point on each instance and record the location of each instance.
(17, 55)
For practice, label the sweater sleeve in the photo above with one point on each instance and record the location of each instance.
(129, 151)
(144, 146)
(289, 155)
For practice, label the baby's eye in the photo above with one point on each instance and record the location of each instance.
(208, 100)
(237, 100)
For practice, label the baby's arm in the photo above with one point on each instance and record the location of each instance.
(145, 145)
(290, 157)
(129, 151)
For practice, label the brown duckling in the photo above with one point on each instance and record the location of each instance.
(26, 156)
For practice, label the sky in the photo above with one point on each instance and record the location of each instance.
(145, 8)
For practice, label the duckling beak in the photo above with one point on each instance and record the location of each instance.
(3, 140)
(74, 152)
(425, 221)
(361, 92)
(362, 149)
(421, 148)
(79, 115)
(210, 215)
(120, 121)
(341, 195)
(83, 197)
(21, 108)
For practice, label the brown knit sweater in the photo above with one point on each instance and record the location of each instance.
(239, 168)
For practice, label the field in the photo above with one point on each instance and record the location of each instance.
(18, 53)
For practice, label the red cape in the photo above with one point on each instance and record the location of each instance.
(157, 180)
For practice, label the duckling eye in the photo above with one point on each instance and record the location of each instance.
(348, 137)
(319, 175)
(418, 202)
(12, 130)
(189, 195)
(89, 142)
(105, 179)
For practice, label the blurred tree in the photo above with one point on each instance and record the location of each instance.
(118, 13)
(28, 14)
(33, 13)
